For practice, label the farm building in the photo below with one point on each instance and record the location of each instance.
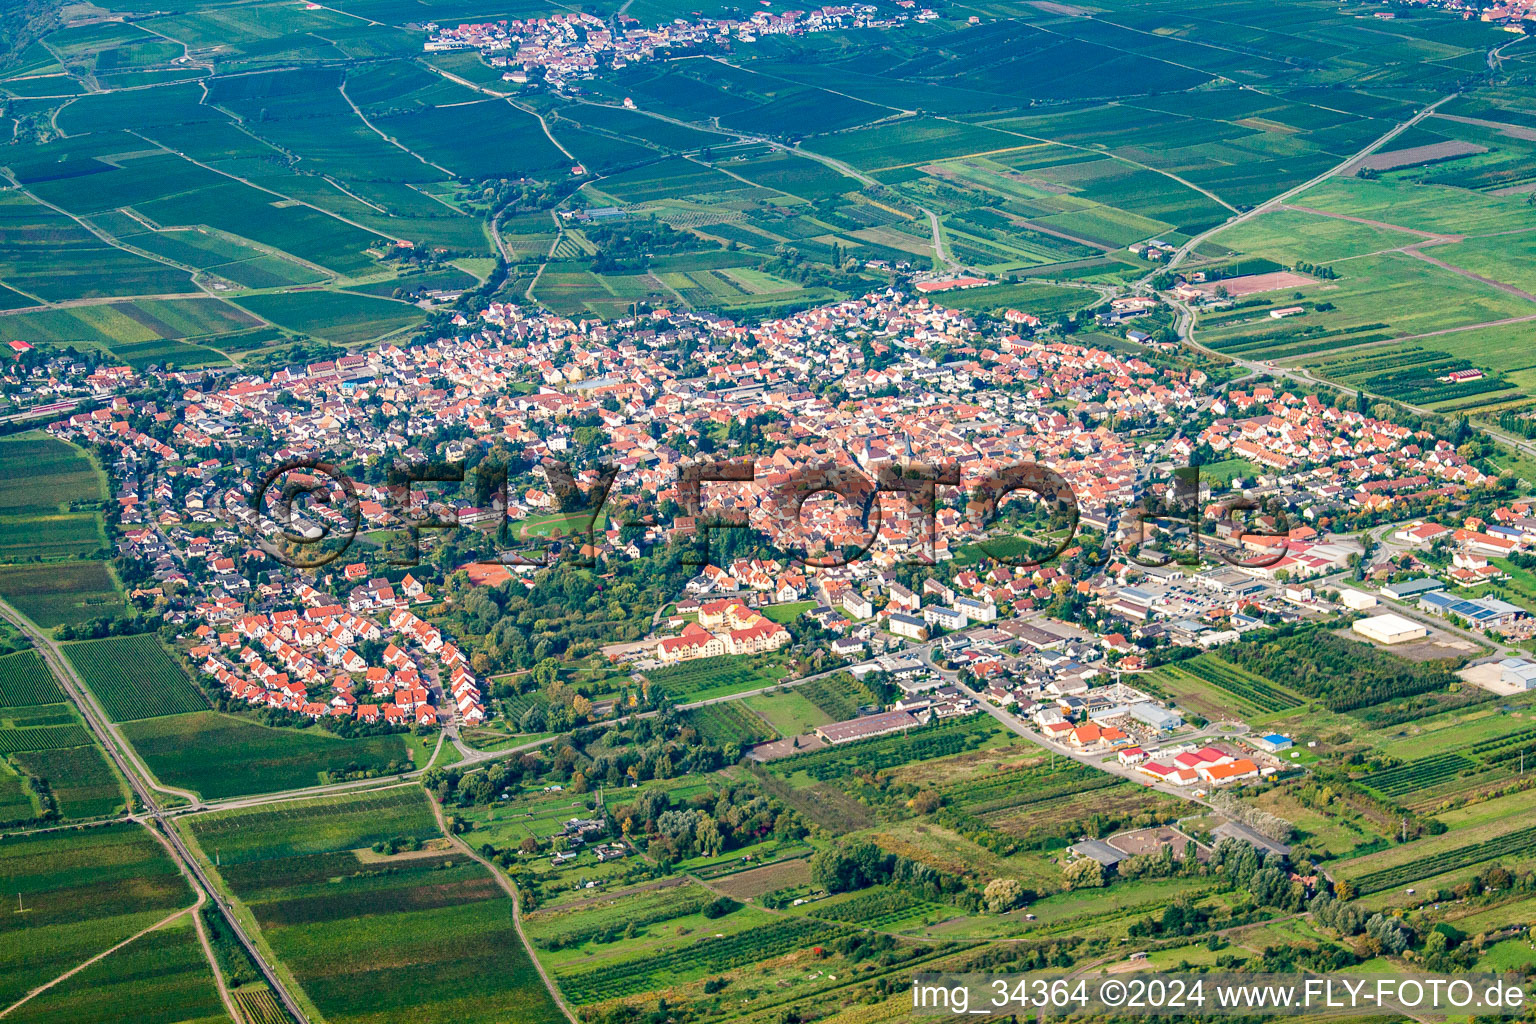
(1390, 629)
(1097, 849)
(866, 727)
(1274, 743)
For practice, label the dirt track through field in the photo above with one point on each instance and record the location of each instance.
(1508, 289)
(1427, 235)
(103, 955)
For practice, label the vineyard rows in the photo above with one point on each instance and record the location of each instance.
(1518, 842)
(1506, 747)
(876, 909)
(729, 723)
(629, 977)
(24, 680)
(259, 1006)
(43, 737)
(1421, 774)
(1240, 683)
(134, 678)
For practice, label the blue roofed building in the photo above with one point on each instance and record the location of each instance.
(1478, 612)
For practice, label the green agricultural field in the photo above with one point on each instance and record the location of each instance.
(1217, 689)
(236, 261)
(429, 937)
(57, 713)
(1417, 776)
(81, 893)
(1375, 298)
(172, 333)
(38, 472)
(50, 536)
(1042, 300)
(134, 677)
(574, 925)
(913, 142)
(673, 177)
(476, 139)
(337, 316)
(1437, 855)
(16, 801)
(49, 499)
(715, 677)
(24, 680)
(1293, 235)
(160, 978)
(46, 255)
(724, 724)
(269, 220)
(1424, 208)
(638, 126)
(221, 756)
(82, 783)
(59, 593)
(746, 937)
(923, 744)
(43, 737)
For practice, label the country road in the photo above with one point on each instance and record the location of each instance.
(1188, 247)
(1185, 319)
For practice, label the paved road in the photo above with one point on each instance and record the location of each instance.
(152, 816)
(1017, 726)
